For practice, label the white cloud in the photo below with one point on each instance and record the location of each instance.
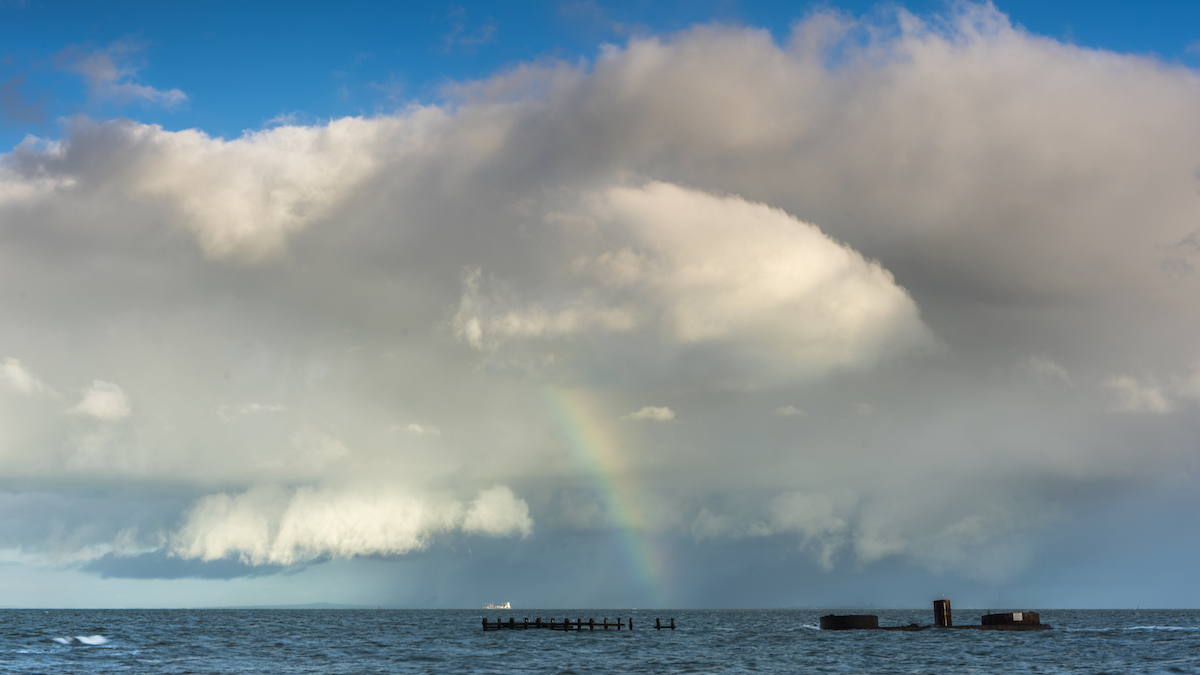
(815, 517)
(111, 73)
(462, 36)
(790, 411)
(821, 522)
(313, 449)
(271, 524)
(242, 198)
(255, 408)
(1130, 395)
(423, 430)
(1189, 386)
(650, 412)
(701, 270)
(809, 514)
(1043, 370)
(104, 401)
(17, 376)
(709, 525)
(483, 324)
(727, 268)
(249, 409)
(497, 512)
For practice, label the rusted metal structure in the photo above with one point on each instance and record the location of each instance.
(1013, 621)
(849, 622)
(941, 619)
(941, 614)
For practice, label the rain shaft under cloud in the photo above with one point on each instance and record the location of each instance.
(794, 284)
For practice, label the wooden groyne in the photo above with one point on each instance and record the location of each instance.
(568, 625)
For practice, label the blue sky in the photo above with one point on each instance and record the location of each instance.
(243, 65)
(695, 304)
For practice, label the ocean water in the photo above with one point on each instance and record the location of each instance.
(705, 641)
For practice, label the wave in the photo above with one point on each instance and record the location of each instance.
(82, 639)
(1117, 628)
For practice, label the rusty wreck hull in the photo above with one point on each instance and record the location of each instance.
(850, 622)
(1011, 621)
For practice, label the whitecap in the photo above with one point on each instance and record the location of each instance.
(82, 639)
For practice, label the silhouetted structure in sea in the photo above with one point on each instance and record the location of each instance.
(941, 619)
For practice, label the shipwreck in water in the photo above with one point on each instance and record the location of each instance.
(941, 619)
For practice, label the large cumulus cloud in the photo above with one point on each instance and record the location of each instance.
(964, 253)
(694, 270)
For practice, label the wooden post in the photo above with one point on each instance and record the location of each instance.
(591, 624)
(672, 623)
(485, 623)
(631, 623)
(657, 624)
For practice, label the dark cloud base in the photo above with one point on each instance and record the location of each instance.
(161, 565)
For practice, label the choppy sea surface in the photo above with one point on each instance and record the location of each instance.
(705, 641)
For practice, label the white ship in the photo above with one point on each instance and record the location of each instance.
(507, 605)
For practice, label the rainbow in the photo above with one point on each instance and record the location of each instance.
(605, 461)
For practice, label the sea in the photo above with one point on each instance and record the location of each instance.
(281, 641)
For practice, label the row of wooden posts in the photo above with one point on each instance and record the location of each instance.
(567, 624)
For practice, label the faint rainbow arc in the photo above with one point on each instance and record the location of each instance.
(606, 463)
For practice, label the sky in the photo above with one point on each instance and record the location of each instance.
(587, 304)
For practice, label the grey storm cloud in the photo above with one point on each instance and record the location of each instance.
(849, 266)
(161, 565)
